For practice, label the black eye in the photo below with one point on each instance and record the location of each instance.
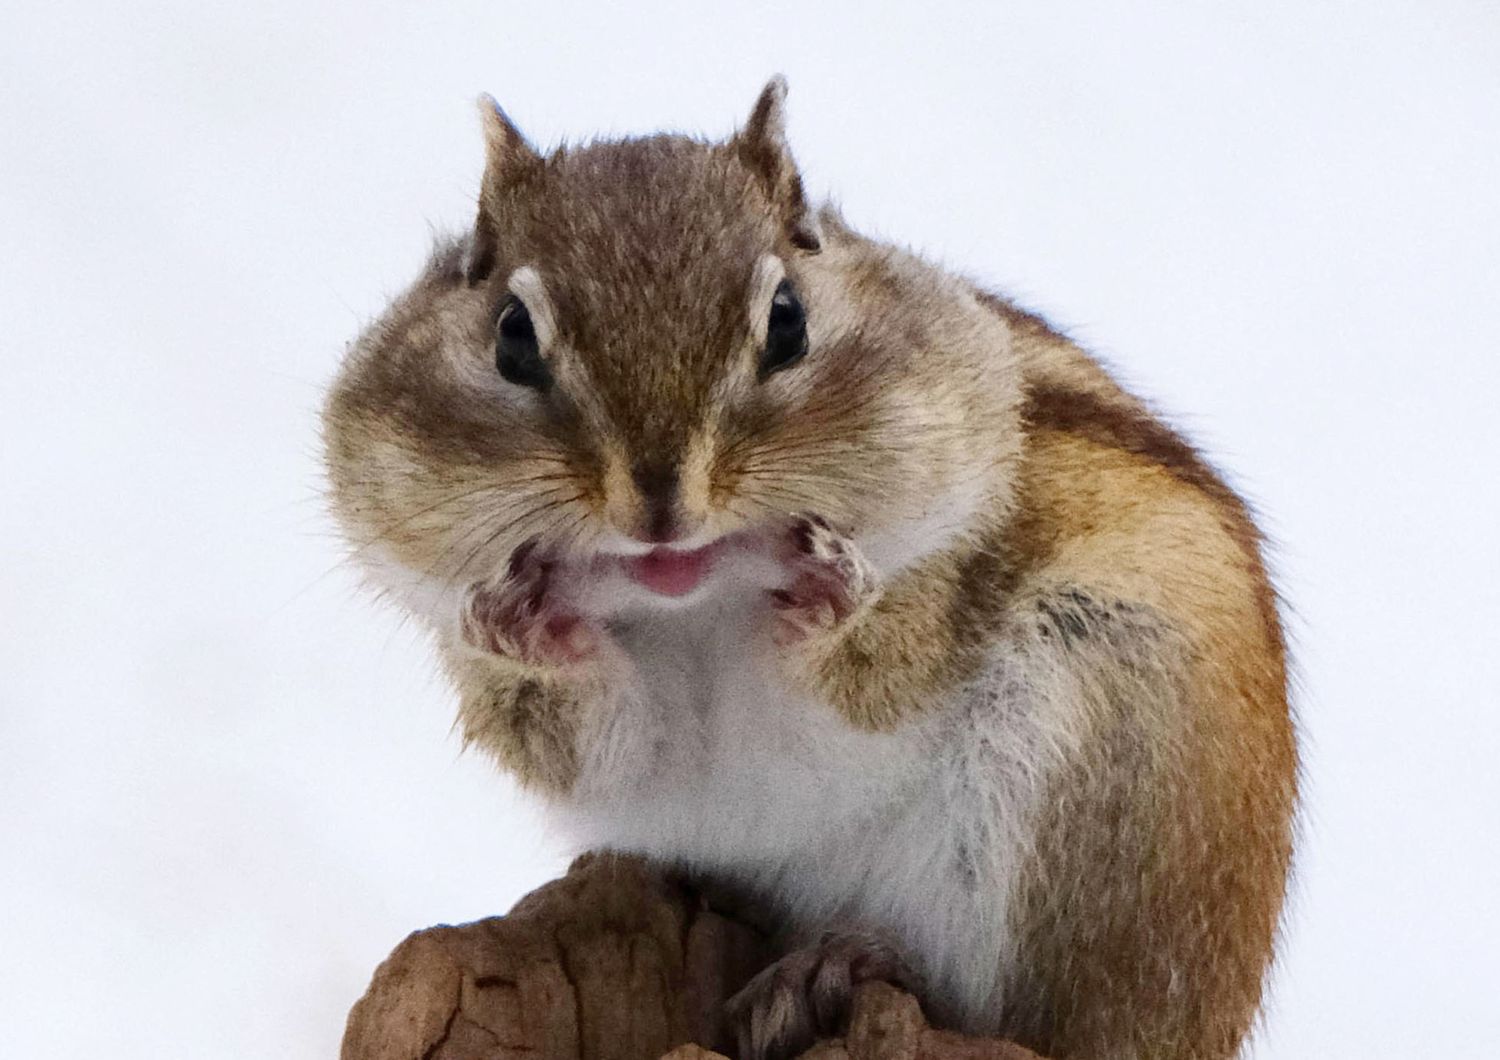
(786, 332)
(516, 352)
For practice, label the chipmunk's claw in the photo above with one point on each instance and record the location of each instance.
(807, 994)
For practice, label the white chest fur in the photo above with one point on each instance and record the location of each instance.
(709, 759)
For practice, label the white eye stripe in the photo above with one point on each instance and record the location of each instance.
(526, 284)
(764, 281)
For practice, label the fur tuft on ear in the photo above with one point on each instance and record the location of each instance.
(507, 158)
(761, 146)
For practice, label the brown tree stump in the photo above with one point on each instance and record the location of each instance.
(612, 962)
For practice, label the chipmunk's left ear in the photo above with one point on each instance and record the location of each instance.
(761, 146)
(508, 159)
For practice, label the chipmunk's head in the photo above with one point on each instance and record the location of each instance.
(650, 345)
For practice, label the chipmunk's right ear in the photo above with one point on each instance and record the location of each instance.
(507, 159)
(761, 145)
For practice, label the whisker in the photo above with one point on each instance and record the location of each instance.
(505, 528)
(383, 534)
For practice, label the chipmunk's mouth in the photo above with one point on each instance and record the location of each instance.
(673, 571)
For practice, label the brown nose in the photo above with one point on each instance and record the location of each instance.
(658, 485)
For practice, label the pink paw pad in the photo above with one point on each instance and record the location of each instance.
(830, 580)
(520, 616)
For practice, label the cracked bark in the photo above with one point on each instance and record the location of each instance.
(611, 962)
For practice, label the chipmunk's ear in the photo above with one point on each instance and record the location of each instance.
(761, 146)
(508, 158)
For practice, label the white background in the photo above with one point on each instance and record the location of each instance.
(227, 781)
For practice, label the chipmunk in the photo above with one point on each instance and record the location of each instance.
(765, 549)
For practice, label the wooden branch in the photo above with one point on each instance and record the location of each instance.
(612, 962)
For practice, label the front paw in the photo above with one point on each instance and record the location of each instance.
(807, 994)
(831, 582)
(521, 616)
